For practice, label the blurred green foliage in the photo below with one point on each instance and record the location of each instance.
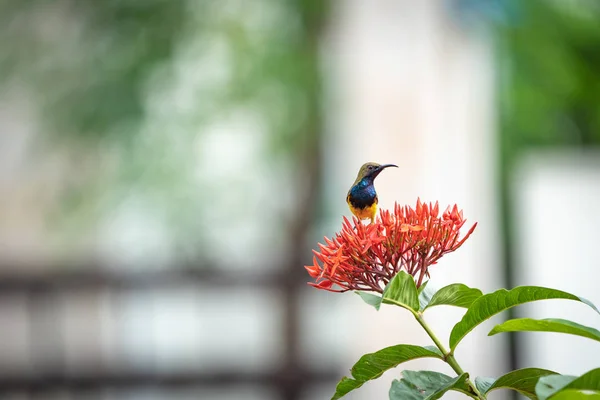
(549, 79)
(128, 88)
(86, 61)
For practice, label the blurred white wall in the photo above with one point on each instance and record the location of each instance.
(557, 194)
(411, 86)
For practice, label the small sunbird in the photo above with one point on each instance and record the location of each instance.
(362, 197)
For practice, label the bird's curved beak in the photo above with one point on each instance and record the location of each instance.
(381, 168)
(384, 166)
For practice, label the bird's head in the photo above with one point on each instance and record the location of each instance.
(371, 170)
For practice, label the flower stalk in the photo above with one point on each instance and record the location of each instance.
(448, 356)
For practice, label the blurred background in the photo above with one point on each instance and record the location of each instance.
(166, 167)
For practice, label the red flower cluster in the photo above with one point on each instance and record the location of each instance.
(366, 257)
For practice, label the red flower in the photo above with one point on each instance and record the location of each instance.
(366, 257)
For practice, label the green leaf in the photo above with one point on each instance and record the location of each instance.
(402, 292)
(546, 325)
(491, 304)
(373, 365)
(521, 380)
(457, 294)
(370, 298)
(571, 394)
(551, 385)
(426, 385)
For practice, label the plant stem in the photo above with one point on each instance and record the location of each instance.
(448, 355)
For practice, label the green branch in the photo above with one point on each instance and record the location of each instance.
(447, 355)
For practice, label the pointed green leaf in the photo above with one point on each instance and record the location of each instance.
(426, 385)
(491, 304)
(521, 380)
(370, 298)
(549, 386)
(402, 292)
(373, 365)
(457, 294)
(546, 325)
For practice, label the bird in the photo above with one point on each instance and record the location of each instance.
(362, 197)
